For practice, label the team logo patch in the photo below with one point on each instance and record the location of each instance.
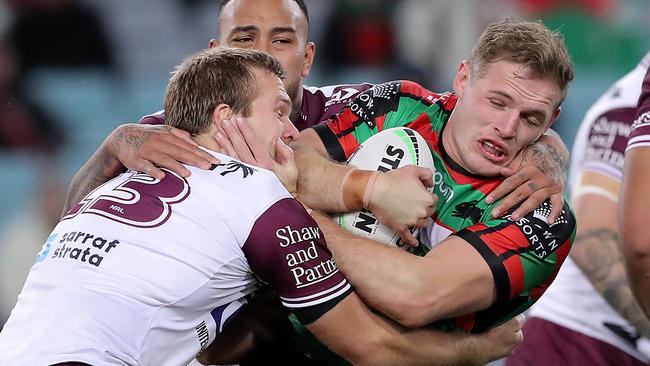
(233, 166)
(468, 210)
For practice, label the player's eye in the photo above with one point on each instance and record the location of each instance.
(533, 121)
(496, 103)
(242, 39)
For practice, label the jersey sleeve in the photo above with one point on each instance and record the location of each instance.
(287, 250)
(157, 118)
(640, 135)
(525, 255)
(387, 105)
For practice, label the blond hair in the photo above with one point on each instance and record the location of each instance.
(211, 77)
(531, 44)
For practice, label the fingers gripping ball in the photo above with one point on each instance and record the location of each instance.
(388, 150)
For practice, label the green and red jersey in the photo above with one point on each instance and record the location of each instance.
(524, 256)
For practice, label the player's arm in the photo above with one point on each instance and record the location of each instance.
(362, 337)
(139, 147)
(453, 279)
(596, 249)
(464, 273)
(633, 223)
(634, 201)
(539, 173)
(286, 249)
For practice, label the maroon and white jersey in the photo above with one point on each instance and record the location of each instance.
(146, 272)
(599, 148)
(640, 136)
(318, 104)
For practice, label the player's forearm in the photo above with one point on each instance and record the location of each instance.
(386, 278)
(376, 340)
(433, 347)
(633, 226)
(320, 180)
(101, 167)
(597, 253)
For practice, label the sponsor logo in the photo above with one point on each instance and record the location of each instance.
(538, 233)
(605, 137)
(301, 261)
(203, 335)
(444, 191)
(373, 101)
(392, 160)
(84, 247)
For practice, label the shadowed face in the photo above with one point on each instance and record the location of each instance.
(275, 26)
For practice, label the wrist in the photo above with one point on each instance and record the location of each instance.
(356, 189)
(111, 164)
(474, 350)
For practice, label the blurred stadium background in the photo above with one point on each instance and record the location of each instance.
(72, 70)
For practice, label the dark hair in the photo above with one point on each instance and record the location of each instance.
(528, 43)
(220, 75)
(301, 5)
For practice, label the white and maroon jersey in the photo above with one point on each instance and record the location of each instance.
(146, 272)
(571, 301)
(640, 136)
(318, 104)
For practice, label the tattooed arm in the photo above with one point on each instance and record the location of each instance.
(139, 147)
(596, 251)
(540, 173)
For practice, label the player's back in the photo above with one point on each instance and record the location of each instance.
(130, 275)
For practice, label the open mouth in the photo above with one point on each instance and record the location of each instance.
(492, 151)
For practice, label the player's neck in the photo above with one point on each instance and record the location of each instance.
(207, 140)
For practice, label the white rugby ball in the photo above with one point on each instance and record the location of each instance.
(389, 149)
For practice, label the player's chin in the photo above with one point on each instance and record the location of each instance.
(486, 168)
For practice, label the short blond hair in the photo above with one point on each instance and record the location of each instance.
(211, 77)
(527, 43)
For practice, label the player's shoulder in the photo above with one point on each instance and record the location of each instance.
(336, 93)
(240, 179)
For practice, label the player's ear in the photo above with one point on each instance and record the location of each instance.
(213, 43)
(310, 53)
(462, 78)
(220, 113)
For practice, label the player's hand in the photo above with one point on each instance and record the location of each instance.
(500, 341)
(400, 200)
(237, 139)
(541, 174)
(145, 148)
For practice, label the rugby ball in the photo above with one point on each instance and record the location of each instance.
(389, 149)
